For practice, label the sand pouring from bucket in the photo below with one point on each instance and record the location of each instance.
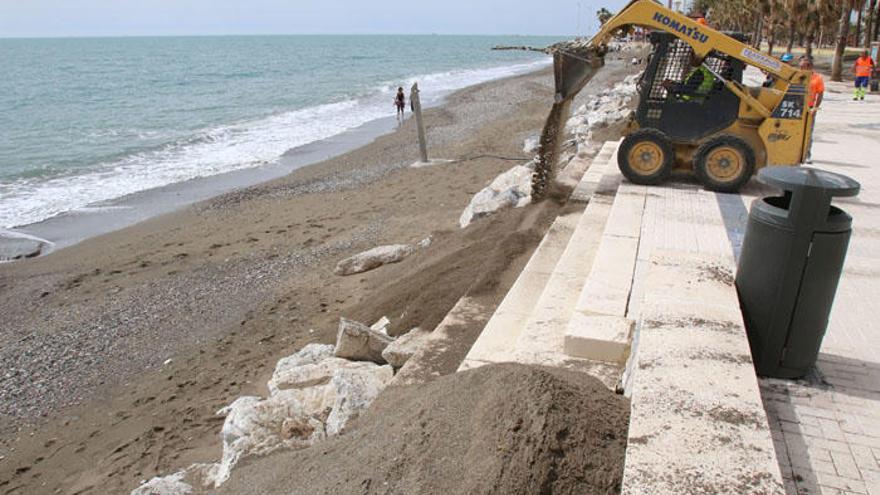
(573, 67)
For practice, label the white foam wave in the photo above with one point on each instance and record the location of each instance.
(218, 150)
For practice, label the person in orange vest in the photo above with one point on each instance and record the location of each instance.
(863, 68)
(817, 94)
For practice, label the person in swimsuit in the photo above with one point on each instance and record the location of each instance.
(400, 103)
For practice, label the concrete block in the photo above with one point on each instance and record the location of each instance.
(626, 214)
(697, 413)
(600, 338)
(607, 289)
(525, 292)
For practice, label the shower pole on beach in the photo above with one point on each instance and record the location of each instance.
(417, 109)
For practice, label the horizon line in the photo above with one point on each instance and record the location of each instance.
(109, 36)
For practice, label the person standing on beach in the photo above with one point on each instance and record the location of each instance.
(863, 69)
(400, 103)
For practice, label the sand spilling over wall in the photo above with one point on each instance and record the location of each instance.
(574, 64)
(498, 429)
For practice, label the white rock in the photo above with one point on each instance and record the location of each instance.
(304, 375)
(359, 342)
(426, 242)
(531, 144)
(404, 347)
(172, 484)
(381, 326)
(512, 189)
(373, 258)
(354, 390)
(295, 371)
(254, 426)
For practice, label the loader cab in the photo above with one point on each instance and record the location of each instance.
(685, 119)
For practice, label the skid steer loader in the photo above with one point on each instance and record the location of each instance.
(723, 132)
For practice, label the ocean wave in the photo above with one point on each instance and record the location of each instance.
(221, 149)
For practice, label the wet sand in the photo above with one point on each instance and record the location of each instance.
(117, 351)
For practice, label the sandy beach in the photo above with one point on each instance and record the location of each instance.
(118, 350)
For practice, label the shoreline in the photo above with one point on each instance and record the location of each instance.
(74, 226)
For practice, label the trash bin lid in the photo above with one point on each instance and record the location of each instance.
(794, 178)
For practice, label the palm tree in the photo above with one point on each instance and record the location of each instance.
(604, 15)
(842, 35)
(869, 26)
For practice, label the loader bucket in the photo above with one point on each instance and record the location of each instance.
(572, 70)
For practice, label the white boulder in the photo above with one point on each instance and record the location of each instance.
(512, 189)
(254, 426)
(381, 326)
(173, 484)
(354, 390)
(373, 258)
(531, 144)
(358, 342)
(404, 347)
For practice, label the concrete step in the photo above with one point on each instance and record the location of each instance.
(498, 341)
(601, 328)
(696, 406)
(542, 339)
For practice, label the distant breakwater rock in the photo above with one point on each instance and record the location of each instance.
(313, 395)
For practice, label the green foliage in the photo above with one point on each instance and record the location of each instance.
(604, 15)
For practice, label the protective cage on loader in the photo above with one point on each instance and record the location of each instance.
(695, 115)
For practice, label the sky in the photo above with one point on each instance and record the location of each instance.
(62, 18)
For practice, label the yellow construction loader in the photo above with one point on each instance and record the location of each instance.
(708, 124)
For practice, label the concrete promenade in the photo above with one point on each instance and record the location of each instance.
(826, 428)
(637, 290)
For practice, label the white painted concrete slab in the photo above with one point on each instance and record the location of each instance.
(601, 338)
(697, 423)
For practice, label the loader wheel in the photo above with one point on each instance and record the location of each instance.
(724, 163)
(646, 157)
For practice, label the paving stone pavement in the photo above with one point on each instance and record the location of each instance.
(826, 427)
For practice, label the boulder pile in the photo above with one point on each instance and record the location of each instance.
(313, 395)
(608, 107)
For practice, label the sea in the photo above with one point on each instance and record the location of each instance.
(87, 120)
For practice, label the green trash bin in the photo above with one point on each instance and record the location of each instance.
(791, 261)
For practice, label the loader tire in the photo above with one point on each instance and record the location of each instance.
(724, 163)
(646, 157)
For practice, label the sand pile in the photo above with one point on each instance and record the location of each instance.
(497, 429)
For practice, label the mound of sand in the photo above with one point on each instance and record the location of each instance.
(497, 429)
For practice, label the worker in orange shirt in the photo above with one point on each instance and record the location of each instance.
(814, 100)
(863, 69)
